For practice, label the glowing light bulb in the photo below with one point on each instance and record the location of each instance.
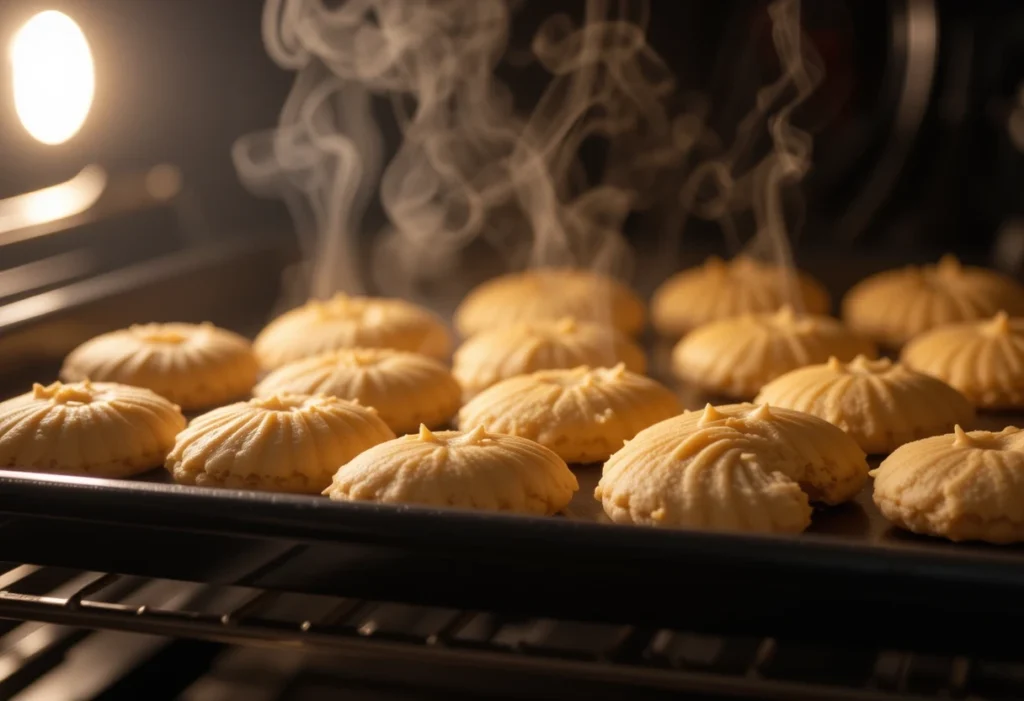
(53, 77)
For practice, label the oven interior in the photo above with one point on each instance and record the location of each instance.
(916, 155)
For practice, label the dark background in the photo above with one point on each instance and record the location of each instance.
(179, 80)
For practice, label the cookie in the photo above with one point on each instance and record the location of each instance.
(583, 414)
(505, 352)
(895, 306)
(193, 365)
(984, 360)
(470, 470)
(723, 289)
(101, 429)
(736, 357)
(406, 389)
(960, 486)
(739, 467)
(351, 322)
(879, 403)
(548, 294)
(280, 443)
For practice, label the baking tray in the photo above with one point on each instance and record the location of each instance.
(850, 572)
(850, 569)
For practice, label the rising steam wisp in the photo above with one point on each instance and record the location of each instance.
(472, 164)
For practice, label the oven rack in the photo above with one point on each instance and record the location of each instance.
(613, 656)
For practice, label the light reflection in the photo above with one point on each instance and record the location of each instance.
(46, 272)
(53, 77)
(52, 203)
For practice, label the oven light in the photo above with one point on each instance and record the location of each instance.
(53, 77)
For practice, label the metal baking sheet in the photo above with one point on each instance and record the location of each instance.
(851, 569)
(849, 554)
(858, 522)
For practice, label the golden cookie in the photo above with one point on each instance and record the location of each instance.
(583, 414)
(549, 294)
(471, 470)
(739, 467)
(500, 353)
(194, 365)
(736, 357)
(984, 360)
(100, 429)
(723, 289)
(961, 486)
(406, 389)
(880, 404)
(351, 322)
(281, 443)
(894, 306)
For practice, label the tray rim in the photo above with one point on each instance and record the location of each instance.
(310, 518)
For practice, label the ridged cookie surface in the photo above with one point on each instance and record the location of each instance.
(194, 365)
(406, 389)
(472, 470)
(101, 429)
(984, 360)
(879, 403)
(281, 443)
(961, 486)
(351, 322)
(736, 357)
(895, 306)
(739, 467)
(722, 289)
(501, 353)
(549, 294)
(583, 414)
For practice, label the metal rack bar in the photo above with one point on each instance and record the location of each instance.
(242, 625)
(669, 660)
(100, 583)
(260, 602)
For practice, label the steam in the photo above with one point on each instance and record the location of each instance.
(761, 188)
(475, 166)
